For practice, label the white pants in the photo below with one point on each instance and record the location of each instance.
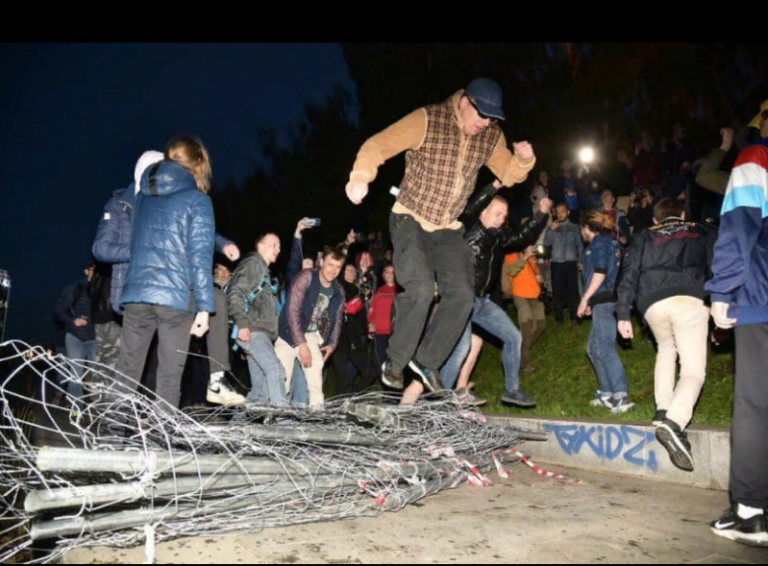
(681, 327)
(314, 374)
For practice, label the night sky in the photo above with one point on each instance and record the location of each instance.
(76, 117)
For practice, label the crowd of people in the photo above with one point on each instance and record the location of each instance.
(408, 315)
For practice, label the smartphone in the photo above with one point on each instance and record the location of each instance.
(312, 222)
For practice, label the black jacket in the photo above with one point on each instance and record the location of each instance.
(490, 245)
(74, 303)
(354, 328)
(670, 259)
(99, 289)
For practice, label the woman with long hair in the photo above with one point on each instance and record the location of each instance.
(169, 285)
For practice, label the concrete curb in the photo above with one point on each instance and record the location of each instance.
(626, 448)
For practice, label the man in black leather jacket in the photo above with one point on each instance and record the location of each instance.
(489, 241)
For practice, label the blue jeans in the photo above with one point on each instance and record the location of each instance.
(299, 393)
(267, 373)
(602, 351)
(491, 317)
(79, 350)
(299, 389)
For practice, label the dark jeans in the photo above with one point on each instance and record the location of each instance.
(749, 460)
(382, 343)
(139, 325)
(217, 338)
(149, 375)
(345, 380)
(421, 259)
(194, 380)
(565, 288)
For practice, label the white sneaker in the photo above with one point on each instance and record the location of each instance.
(601, 400)
(621, 406)
(220, 394)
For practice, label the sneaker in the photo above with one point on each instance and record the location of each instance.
(220, 394)
(391, 377)
(725, 523)
(659, 418)
(751, 532)
(621, 405)
(519, 399)
(429, 377)
(674, 439)
(469, 399)
(601, 400)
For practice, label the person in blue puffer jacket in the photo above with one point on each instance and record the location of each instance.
(112, 245)
(169, 284)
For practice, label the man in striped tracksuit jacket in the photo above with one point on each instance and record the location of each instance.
(740, 299)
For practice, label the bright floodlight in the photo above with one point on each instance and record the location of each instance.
(587, 155)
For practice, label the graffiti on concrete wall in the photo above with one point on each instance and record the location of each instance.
(608, 442)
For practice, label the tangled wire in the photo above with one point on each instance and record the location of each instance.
(121, 468)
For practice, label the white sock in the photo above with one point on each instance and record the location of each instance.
(749, 512)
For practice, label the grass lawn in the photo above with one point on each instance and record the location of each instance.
(565, 381)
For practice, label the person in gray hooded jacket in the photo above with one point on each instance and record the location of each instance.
(252, 304)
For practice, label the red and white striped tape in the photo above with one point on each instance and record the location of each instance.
(504, 474)
(477, 479)
(542, 472)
